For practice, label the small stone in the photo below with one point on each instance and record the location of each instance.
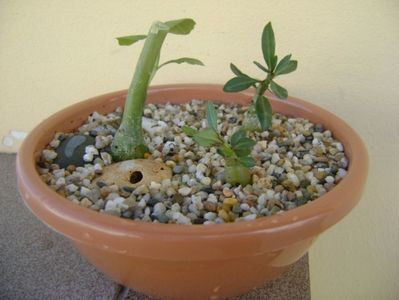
(71, 188)
(159, 209)
(304, 183)
(224, 215)
(162, 218)
(106, 157)
(232, 120)
(230, 201)
(85, 202)
(155, 185)
(210, 216)
(201, 168)
(227, 192)
(250, 217)
(49, 155)
(209, 206)
(318, 128)
(184, 191)
(178, 169)
(236, 208)
(206, 181)
(329, 179)
(320, 175)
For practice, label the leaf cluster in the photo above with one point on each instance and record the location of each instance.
(180, 27)
(237, 150)
(272, 69)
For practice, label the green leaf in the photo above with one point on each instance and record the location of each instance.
(130, 39)
(189, 131)
(239, 83)
(278, 90)
(211, 116)
(181, 26)
(244, 147)
(247, 161)
(187, 60)
(261, 67)
(269, 46)
(237, 71)
(237, 136)
(207, 137)
(286, 65)
(264, 112)
(225, 151)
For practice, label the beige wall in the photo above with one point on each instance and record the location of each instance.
(55, 53)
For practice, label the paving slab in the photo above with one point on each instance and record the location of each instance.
(37, 263)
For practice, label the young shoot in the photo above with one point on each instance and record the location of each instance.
(236, 151)
(259, 115)
(128, 141)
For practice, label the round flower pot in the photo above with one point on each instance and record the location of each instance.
(171, 261)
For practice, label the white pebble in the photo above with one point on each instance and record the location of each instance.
(201, 168)
(60, 182)
(341, 173)
(106, 157)
(206, 181)
(275, 158)
(329, 179)
(71, 188)
(49, 155)
(184, 191)
(159, 209)
(175, 207)
(155, 185)
(210, 216)
(244, 206)
(250, 217)
(110, 205)
(88, 157)
(339, 146)
(91, 150)
(293, 178)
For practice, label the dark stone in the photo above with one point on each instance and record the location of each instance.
(152, 201)
(93, 133)
(61, 137)
(232, 120)
(162, 218)
(177, 198)
(101, 184)
(199, 221)
(207, 189)
(304, 183)
(72, 149)
(318, 128)
(128, 189)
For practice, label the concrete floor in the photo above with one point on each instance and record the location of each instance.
(37, 263)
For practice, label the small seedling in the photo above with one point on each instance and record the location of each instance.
(236, 151)
(129, 142)
(260, 111)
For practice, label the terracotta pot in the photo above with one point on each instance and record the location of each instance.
(190, 262)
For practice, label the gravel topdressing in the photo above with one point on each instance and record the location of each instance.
(296, 162)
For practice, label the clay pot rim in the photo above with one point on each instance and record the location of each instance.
(31, 186)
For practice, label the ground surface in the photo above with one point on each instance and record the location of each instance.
(37, 263)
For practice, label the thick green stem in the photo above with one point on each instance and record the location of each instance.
(251, 121)
(128, 141)
(236, 173)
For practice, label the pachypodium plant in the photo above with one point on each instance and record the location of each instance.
(236, 151)
(259, 115)
(128, 142)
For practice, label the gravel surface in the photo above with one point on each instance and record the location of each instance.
(296, 162)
